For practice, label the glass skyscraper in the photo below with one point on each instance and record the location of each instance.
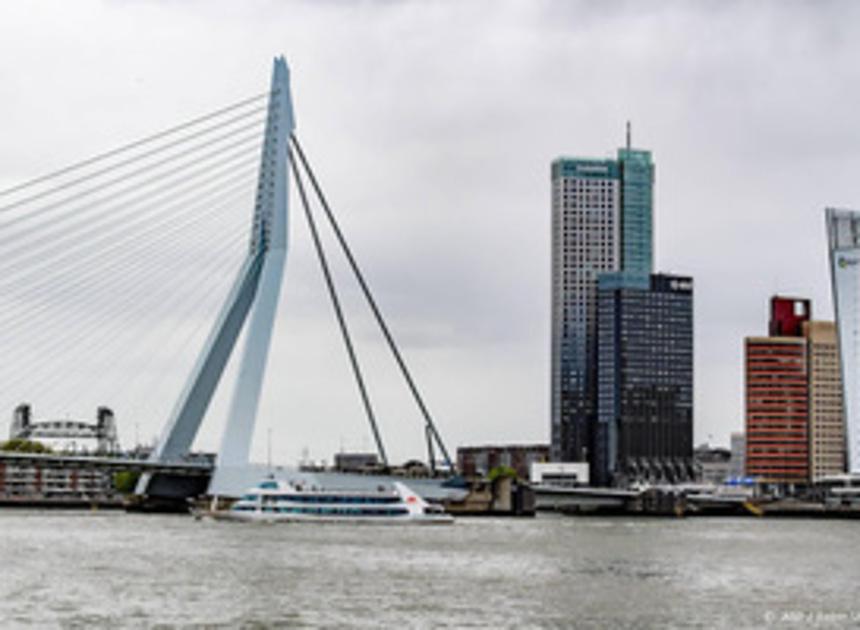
(601, 222)
(843, 235)
(644, 429)
(637, 185)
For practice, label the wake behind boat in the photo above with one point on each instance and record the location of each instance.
(284, 501)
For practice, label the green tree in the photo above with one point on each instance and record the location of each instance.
(501, 471)
(20, 445)
(125, 481)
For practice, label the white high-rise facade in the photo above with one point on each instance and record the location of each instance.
(843, 235)
(586, 224)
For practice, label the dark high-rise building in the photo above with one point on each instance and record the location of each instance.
(644, 428)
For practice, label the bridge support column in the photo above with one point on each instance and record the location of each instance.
(257, 289)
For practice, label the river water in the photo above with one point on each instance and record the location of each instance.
(113, 570)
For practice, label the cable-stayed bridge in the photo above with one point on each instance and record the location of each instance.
(103, 257)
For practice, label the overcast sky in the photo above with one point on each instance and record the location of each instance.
(432, 126)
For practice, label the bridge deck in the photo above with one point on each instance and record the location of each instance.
(113, 464)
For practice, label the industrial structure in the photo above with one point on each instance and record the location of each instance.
(47, 479)
(67, 434)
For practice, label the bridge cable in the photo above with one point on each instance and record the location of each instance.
(115, 236)
(133, 174)
(81, 289)
(373, 306)
(146, 404)
(59, 245)
(95, 336)
(159, 183)
(144, 351)
(98, 345)
(133, 145)
(99, 318)
(117, 195)
(65, 227)
(127, 242)
(148, 154)
(332, 291)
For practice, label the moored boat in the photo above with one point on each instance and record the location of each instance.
(285, 501)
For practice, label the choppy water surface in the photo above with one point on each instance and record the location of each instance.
(117, 570)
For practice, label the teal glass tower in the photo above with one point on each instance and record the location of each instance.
(601, 223)
(637, 186)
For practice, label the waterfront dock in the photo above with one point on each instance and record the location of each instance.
(587, 501)
(104, 502)
(503, 496)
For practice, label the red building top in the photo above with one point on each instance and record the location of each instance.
(787, 316)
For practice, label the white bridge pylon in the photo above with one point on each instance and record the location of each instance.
(255, 291)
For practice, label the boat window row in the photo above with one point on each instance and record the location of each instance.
(328, 511)
(316, 498)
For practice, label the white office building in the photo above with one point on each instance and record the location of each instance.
(843, 235)
(586, 198)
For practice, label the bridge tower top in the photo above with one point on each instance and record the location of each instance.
(270, 225)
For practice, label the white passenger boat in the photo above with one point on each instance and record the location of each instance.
(275, 501)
